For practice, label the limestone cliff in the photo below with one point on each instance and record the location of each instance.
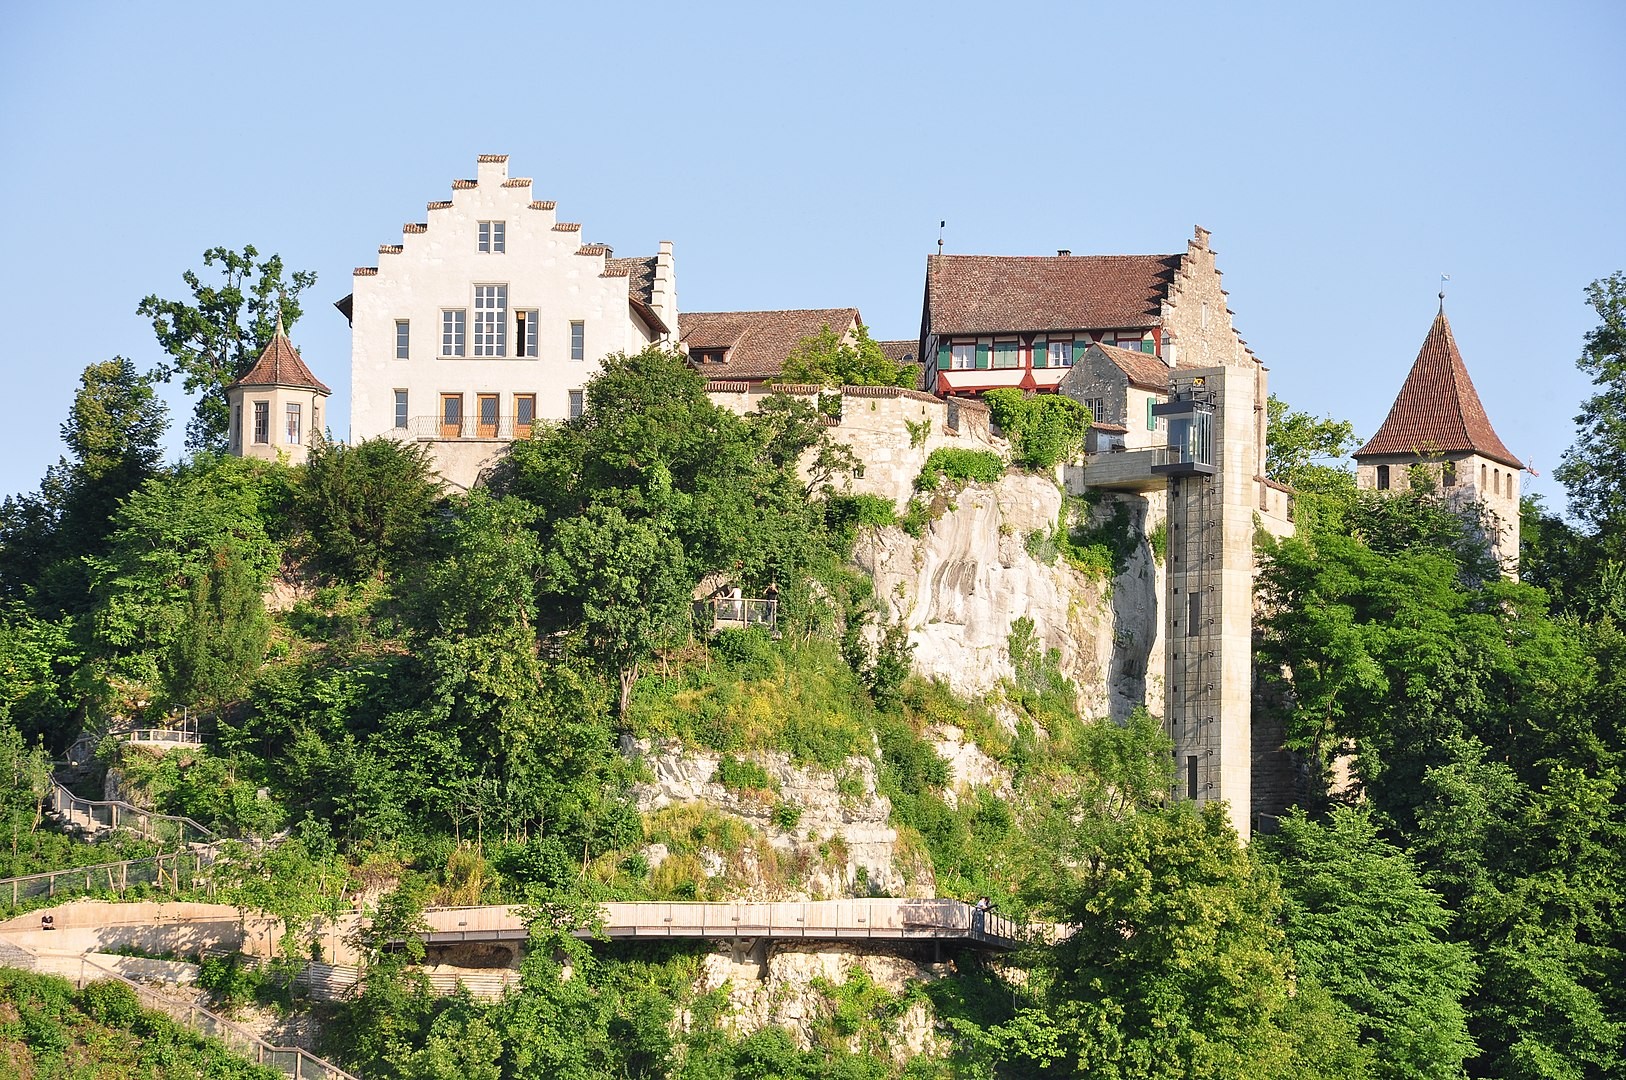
(961, 586)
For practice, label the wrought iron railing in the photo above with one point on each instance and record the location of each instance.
(432, 428)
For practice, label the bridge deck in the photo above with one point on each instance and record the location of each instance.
(816, 920)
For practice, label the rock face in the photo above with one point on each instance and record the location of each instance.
(873, 862)
(971, 576)
(785, 985)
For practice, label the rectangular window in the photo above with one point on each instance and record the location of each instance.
(1061, 353)
(525, 323)
(487, 423)
(453, 326)
(451, 416)
(578, 341)
(1098, 409)
(490, 320)
(578, 403)
(492, 237)
(963, 356)
(403, 338)
(262, 421)
(1194, 613)
(1383, 477)
(401, 408)
(293, 424)
(524, 415)
(1191, 777)
(1006, 355)
(237, 427)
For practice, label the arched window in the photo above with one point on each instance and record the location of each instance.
(1383, 478)
(1496, 481)
(1448, 474)
(1484, 479)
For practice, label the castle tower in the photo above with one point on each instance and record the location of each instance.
(276, 408)
(1439, 424)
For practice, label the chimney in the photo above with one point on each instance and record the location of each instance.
(663, 290)
(1064, 251)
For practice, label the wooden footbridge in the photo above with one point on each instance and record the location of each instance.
(941, 921)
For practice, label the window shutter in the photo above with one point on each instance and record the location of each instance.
(1147, 345)
(1151, 421)
(1039, 357)
(1079, 345)
(944, 353)
(982, 356)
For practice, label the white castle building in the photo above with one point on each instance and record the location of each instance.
(490, 316)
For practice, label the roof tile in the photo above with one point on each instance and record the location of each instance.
(758, 342)
(1438, 410)
(280, 365)
(1144, 370)
(985, 294)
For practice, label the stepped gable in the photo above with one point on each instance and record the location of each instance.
(1438, 410)
(988, 294)
(639, 271)
(756, 342)
(280, 365)
(1142, 369)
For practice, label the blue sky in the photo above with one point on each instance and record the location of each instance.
(1344, 158)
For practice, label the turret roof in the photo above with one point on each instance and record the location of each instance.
(280, 365)
(1438, 410)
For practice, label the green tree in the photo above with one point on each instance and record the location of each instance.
(1591, 470)
(1299, 450)
(366, 506)
(829, 359)
(25, 784)
(1045, 430)
(220, 642)
(1361, 924)
(216, 336)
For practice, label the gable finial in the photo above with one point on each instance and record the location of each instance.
(1443, 279)
(941, 225)
(280, 332)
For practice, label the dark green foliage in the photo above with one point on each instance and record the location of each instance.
(956, 467)
(367, 506)
(1363, 926)
(48, 1029)
(1045, 430)
(826, 359)
(219, 644)
(1592, 471)
(216, 336)
(737, 775)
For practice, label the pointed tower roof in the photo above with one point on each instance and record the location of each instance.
(280, 365)
(1438, 410)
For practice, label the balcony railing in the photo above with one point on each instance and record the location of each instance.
(737, 612)
(432, 428)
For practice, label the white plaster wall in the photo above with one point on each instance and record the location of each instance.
(312, 413)
(438, 269)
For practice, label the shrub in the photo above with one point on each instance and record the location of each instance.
(737, 775)
(786, 816)
(915, 519)
(1045, 429)
(961, 466)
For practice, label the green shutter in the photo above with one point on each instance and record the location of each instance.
(1039, 358)
(1147, 345)
(945, 352)
(1151, 421)
(982, 356)
(1079, 345)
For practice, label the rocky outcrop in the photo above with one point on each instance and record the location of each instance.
(852, 826)
(788, 985)
(961, 586)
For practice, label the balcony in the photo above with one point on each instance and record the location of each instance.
(737, 612)
(1141, 470)
(436, 428)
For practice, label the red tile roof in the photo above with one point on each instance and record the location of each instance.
(641, 271)
(567, 226)
(518, 181)
(757, 341)
(415, 227)
(486, 158)
(1143, 369)
(1438, 410)
(280, 365)
(593, 249)
(543, 204)
(464, 185)
(985, 294)
(900, 352)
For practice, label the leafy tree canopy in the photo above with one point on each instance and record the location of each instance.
(1045, 430)
(1593, 470)
(215, 336)
(830, 359)
(1300, 450)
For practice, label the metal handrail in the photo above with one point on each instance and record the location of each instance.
(289, 1060)
(64, 802)
(725, 612)
(117, 875)
(468, 426)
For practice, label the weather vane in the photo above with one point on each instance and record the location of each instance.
(1443, 279)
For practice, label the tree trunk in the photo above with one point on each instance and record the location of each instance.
(629, 675)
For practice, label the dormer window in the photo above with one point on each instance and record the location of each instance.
(492, 237)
